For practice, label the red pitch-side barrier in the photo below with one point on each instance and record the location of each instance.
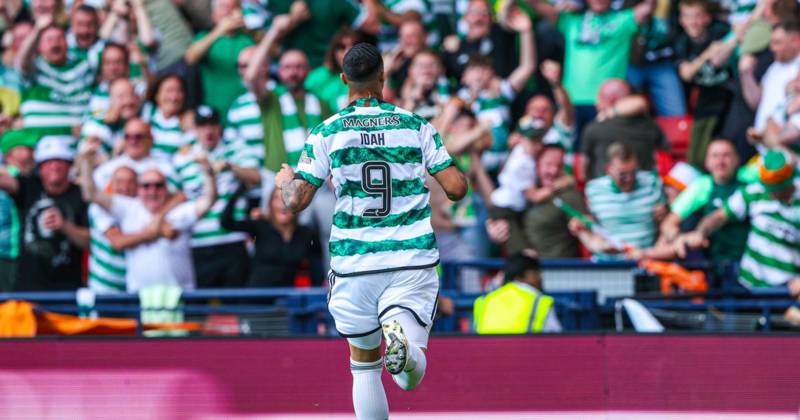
(184, 378)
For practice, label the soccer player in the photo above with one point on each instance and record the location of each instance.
(382, 247)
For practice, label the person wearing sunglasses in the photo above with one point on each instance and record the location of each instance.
(164, 260)
(135, 153)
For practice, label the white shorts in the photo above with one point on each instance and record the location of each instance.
(360, 303)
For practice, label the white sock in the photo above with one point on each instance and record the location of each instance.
(369, 398)
(415, 369)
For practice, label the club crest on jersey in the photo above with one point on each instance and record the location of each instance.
(373, 139)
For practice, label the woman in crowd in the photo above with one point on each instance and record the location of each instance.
(166, 113)
(281, 245)
(324, 81)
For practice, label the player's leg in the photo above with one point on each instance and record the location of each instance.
(406, 344)
(366, 366)
(352, 302)
(407, 308)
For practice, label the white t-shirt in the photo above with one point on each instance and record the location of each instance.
(518, 174)
(162, 261)
(773, 89)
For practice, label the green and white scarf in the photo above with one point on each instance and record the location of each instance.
(294, 133)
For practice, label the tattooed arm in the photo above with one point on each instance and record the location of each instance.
(295, 192)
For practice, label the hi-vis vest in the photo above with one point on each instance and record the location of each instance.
(511, 309)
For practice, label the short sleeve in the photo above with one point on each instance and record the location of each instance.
(101, 219)
(565, 21)
(183, 217)
(92, 128)
(695, 196)
(122, 205)
(434, 154)
(314, 164)
(507, 91)
(737, 205)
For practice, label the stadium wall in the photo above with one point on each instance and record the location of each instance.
(205, 378)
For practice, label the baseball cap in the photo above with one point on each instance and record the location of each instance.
(54, 147)
(776, 171)
(681, 175)
(16, 138)
(205, 114)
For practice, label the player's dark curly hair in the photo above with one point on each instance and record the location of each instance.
(362, 63)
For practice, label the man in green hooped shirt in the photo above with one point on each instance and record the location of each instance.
(772, 205)
(707, 194)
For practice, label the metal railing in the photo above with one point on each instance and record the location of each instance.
(585, 294)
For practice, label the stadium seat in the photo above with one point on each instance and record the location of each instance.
(678, 132)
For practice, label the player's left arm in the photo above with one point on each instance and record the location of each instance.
(453, 182)
(296, 192)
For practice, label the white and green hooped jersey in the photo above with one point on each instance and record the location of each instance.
(772, 254)
(168, 135)
(378, 155)
(496, 111)
(207, 231)
(58, 96)
(106, 265)
(245, 126)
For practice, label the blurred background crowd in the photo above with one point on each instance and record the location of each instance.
(140, 137)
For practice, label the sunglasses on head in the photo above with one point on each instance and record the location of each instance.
(135, 136)
(157, 185)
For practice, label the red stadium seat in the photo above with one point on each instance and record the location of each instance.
(678, 132)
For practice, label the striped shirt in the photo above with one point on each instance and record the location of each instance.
(627, 216)
(207, 231)
(245, 125)
(378, 155)
(57, 96)
(108, 135)
(106, 265)
(494, 110)
(772, 254)
(168, 136)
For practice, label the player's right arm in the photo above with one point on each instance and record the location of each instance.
(297, 189)
(296, 192)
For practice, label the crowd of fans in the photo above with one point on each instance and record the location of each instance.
(145, 134)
